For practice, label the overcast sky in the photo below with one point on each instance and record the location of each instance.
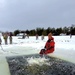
(30, 14)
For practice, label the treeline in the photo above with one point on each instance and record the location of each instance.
(55, 31)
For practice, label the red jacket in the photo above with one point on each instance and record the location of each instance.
(49, 47)
(50, 44)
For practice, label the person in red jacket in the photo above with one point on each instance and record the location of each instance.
(49, 46)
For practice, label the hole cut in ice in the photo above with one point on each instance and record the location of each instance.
(38, 60)
(36, 65)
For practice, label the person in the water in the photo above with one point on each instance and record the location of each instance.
(49, 46)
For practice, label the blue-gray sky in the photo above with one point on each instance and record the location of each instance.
(30, 14)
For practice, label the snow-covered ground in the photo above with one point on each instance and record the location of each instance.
(64, 47)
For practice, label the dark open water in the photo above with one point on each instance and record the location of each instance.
(19, 66)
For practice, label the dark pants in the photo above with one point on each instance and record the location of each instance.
(42, 51)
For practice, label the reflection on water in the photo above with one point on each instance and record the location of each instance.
(36, 65)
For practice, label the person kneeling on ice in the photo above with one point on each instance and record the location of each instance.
(49, 46)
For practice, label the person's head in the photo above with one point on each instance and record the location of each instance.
(49, 35)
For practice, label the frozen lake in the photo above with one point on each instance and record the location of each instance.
(64, 49)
